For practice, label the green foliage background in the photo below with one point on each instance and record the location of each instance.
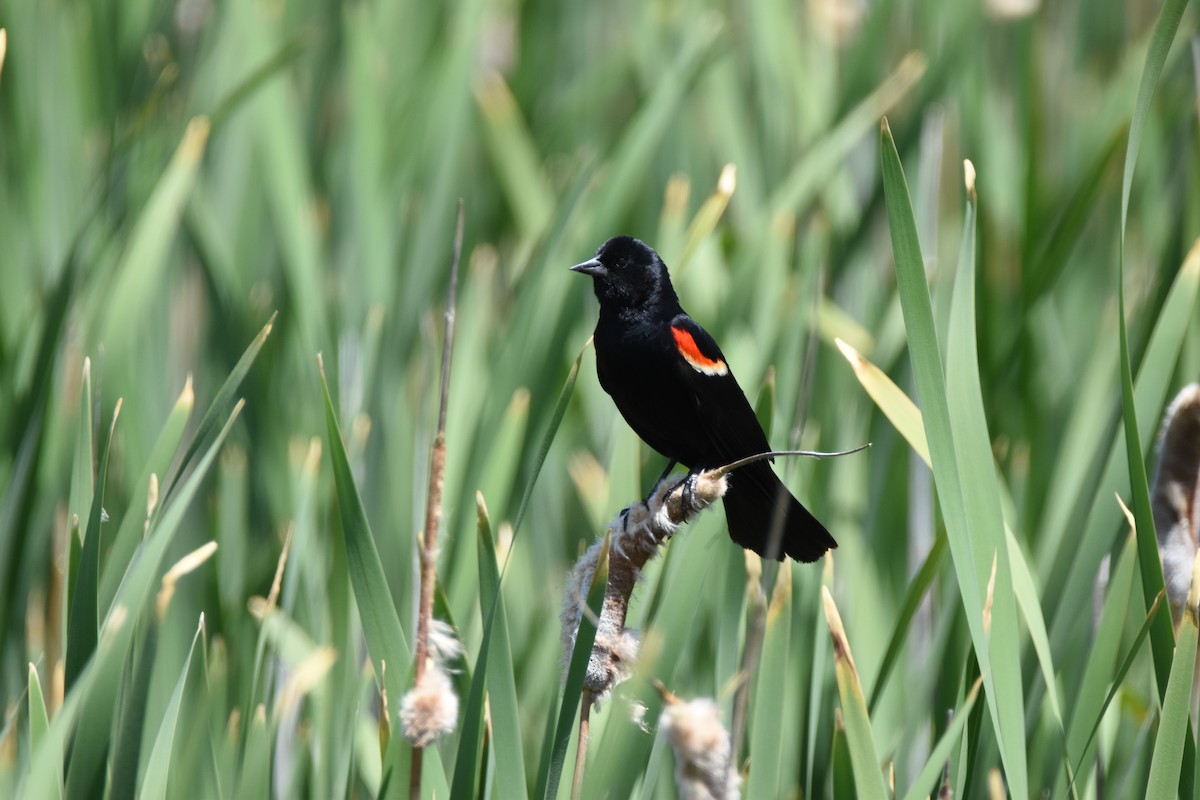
(171, 175)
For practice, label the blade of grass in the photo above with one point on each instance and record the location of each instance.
(766, 743)
(254, 781)
(381, 624)
(900, 410)
(45, 778)
(39, 723)
(144, 264)
(932, 771)
(82, 478)
(547, 749)
(633, 153)
(82, 484)
(131, 717)
(981, 502)
(184, 755)
(93, 703)
(24, 437)
(470, 738)
(913, 596)
(740, 646)
(82, 628)
(1173, 730)
(287, 638)
(560, 408)
(843, 765)
(906, 417)
(816, 692)
(706, 219)
(968, 756)
(1025, 590)
(1063, 235)
(550, 772)
(502, 704)
(282, 164)
(515, 155)
(223, 401)
(154, 784)
(864, 759)
(1162, 641)
(810, 174)
(133, 525)
(969, 556)
(1081, 557)
(289, 51)
(1102, 660)
(1119, 678)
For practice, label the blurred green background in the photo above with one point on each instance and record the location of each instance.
(172, 174)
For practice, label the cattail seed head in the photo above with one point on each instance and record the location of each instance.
(430, 709)
(702, 750)
(1175, 495)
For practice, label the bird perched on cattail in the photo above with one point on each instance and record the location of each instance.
(674, 387)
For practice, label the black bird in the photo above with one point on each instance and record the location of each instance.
(671, 383)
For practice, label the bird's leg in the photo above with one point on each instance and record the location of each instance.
(670, 466)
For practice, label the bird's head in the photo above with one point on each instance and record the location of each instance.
(628, 275)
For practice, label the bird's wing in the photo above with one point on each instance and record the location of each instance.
(729, 420)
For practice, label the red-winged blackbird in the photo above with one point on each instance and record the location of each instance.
(672, 384)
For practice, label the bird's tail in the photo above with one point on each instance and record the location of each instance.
(750, 507)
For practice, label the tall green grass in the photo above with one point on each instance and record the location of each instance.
(197, 199)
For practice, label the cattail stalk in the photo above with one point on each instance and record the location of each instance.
(634, 537)
(433, 505)
(1175, 494)
(756, 626)
(585, 713)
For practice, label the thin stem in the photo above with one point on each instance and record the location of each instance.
(585, 712)
(741, 462)
(433, 505)
(448, 337)
(741, 698)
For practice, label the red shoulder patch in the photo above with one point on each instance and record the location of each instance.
(691, 353)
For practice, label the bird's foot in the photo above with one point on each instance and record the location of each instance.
(689, 493)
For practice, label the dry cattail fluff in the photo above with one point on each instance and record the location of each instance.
(444, 645)
(702, 747)
(429, 710)
(575, 598)
(634, 536)
(1175, 496)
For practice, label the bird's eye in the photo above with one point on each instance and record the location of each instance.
(622, 263)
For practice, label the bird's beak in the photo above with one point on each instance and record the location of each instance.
(591, 267)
